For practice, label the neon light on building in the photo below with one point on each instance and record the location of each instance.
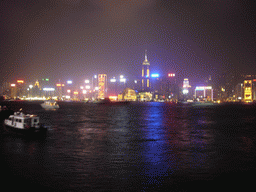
(123, 80)
(20, 81)
(186, 83)
(155, 75)
(204, 89)
(247, 90)
(145, 82)
(48, 89)
(171, 74)
(102, 80)
(113, 80)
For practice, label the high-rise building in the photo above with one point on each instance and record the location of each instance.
(102, 80)
(248, 90)
(145, 81)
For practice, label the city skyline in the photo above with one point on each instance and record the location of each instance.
(74, 39)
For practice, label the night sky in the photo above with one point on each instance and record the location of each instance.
(75, 39)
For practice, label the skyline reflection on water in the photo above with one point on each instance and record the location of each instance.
(140, 146)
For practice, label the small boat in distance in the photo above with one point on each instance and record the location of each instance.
(20, 122)
(50, 104)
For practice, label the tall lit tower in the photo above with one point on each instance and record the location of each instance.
(102, 81)
(145, 83)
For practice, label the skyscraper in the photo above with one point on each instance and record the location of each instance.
(145, 82)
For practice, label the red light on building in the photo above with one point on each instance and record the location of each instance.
(254, 80)
(20, 81)
(171, 74)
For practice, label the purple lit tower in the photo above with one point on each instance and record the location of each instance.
(145, 81)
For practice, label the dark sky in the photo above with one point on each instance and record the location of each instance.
(75, 39)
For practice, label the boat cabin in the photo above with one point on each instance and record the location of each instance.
(21, 121)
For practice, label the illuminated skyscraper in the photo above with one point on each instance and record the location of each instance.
(102, 80)
(145, 82)
(248, 90)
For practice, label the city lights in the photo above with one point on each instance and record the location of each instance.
(113, 98)
(155, 75)
(201, 88)
(123, 80)
(48, 89)
(171, 74)
(167, 88)
(20, 81)
(113, 80)
(185, 91)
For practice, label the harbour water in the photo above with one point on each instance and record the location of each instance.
(133, 147)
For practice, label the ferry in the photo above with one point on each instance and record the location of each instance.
(21, 122)
(50, 104)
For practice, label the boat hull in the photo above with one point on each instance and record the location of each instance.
(50, 107)
(31, 130)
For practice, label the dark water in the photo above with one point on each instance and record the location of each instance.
(134, 147)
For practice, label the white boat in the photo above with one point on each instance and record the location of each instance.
(50, 104)
(23, 123)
